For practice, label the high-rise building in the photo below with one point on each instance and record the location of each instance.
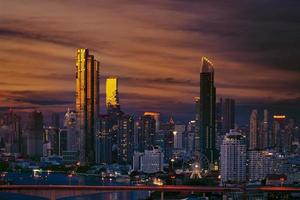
(190, 141)
(287, 138)
(233, 158)
(156, 116)
(147, 132)
(33, 137)
(112, 95)
(260, 164)
(152, 161)
(103, 139)
(197, 146)
(13, 127)
(253, 130)
(125, 137)
(50, 141)
(87, 102)
(207, 111)
(225, 115)
(54, 141)
(55, 120)
(263, 135)
(178, 134)
(167, 129)
(228, 113)
(282, 133)
(70, 124)
(219, 118)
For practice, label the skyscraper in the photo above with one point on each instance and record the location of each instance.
(112, 95)
(125, 138)
(70, 122)
(233, 158)
(228, 113)
(147, 132)
(33, 136)
(178, 135)
(225, 115)
(253, 130)
(156, 116)
(263, 135)
(103, 140)
(87, 102)
(55, 120)
(207, 111)
(197, 147)
(260, 164)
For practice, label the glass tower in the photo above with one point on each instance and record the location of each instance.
(87, 102)
(207, 112)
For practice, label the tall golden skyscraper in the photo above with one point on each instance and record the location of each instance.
(87, 102)
(112, 95)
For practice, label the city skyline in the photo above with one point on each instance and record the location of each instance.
(157, 59)
(152, 99)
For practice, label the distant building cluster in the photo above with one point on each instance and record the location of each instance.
(211, 143)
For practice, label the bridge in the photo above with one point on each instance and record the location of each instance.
(53, 192)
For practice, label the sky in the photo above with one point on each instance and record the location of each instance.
(155, 48)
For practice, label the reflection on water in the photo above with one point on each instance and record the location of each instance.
(12, 196)
(46, 178)
(133, 195)
(63, 179)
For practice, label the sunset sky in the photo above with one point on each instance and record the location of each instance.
(155, 48)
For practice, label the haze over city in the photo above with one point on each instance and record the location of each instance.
(155, 50)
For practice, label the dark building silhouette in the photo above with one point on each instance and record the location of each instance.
(55, 120)
(228, 113)
(197, 127)
(103, 140)
(225, 115)
(207, 111)
(146, 132)
(33, 137)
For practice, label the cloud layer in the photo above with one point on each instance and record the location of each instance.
(153, 47)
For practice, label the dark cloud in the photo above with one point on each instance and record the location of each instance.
(32, 75)
(40, 98)
(37, 36)
(263, 33)
(283, 86)
(155, 48)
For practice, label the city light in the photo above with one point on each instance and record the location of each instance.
(279, 116)
(192, 100)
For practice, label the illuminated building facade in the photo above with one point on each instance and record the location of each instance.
(207, 112)
(87, 102)
(125, 138)
(103, 140)
(233, 158)
(260, 164)
(112, 96)
(152, 160)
